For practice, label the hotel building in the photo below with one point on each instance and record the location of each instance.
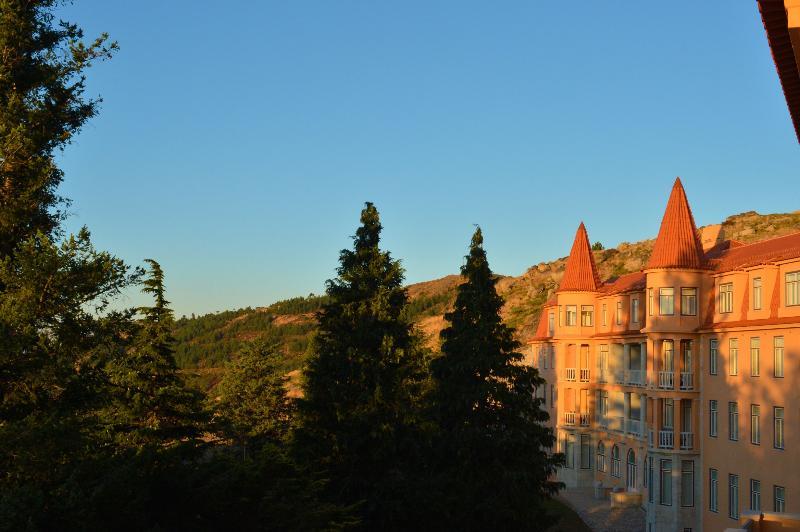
(676, 387)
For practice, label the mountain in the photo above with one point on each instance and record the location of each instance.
(206, 342)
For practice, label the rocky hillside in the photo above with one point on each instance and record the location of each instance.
(206, 342)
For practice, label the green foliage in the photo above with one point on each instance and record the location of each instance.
(490, 425)
(598, 246)
(429, 305)
(363, 381)
(252, 406)
(298, 305)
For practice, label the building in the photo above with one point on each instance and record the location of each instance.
(678, 384)
(781, 20)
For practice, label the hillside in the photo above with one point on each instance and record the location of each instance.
(206, 342)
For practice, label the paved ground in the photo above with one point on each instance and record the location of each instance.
(599, 515)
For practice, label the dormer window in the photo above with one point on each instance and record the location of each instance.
(689, 301)
(587, 315)
(757, 293)
(726, 298)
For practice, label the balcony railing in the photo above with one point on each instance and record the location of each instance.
(569, 418)
(603, 422)
(617, 423)
(687, 440)
(687, 380)
(634, 377)
(619, 376)
(584, 375)
(666, 439)
(634, 426)
(666, 379)
(583, 418)
(570, 373)
(601, 376)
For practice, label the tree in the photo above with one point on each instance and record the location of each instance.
(492, 468)
(363, 379)
(42, 106)
(253, 407)
(598, 246)
(152, 404)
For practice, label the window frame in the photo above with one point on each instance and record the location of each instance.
(571, 315)
(778, 428)
(755, 495)
(733, 356)
(726, 298)
(757, 292)
(665, 472)
(794, 285)
(733, 421)
(684, 472)
(733, 497)
(686, 297)
(587, 311)
(669, 298)
(713, 490)
(635, 310)
(619, 313)
(778, 508)
(778, 356)
(713, 356)
(755, 356)
(713, 418)
(755, 424)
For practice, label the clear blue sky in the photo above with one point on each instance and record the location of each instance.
(238, 141)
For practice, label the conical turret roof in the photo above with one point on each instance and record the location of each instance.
(580, 275)
(678, 244)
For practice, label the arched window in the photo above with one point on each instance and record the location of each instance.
(615, 465)
(631, 478)
(601, 457)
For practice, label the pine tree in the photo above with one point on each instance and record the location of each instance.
(252, 407)
(42, 106)
(363, 379)
(492, 467)
(153, 405)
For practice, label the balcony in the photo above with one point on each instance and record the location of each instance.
(603, 422)
(601, 377)
(666, 379)
(634, 426)
(617, 423)
(687, 381)
(619, 377)
(584, 375)
(634, 377)
(583, 419)
(666, 439)
(570, 374)
(569, 418)
(687, 440)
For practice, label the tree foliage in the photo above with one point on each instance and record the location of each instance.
(492, 467)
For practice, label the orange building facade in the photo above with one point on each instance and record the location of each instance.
(676, 387)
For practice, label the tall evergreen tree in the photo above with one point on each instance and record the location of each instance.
(493, 468)
(42, 106)
(153, 406)
(363, 379)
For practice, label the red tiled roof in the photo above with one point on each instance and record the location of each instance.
(773, 14)
(764, 252)
(625, 283)
(677, 244)
(541, 330)
(580, 274)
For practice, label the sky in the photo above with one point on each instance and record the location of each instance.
(237, 142)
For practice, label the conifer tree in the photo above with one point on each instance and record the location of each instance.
(362, 382)
(492, 467)
(153, 406)
(252, 407)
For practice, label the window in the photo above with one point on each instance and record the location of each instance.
(586, 452)
(757, 293)
(560, 317)
(733, 356)
(551, 323)
(755, 495)
(792, 289)
(666, 483)
(666, 301)
(733, 496)
(713, 421)
(604, 315)
(726, 298)
(619, 313)
(601, 457)
(713, 356)
(778, 349)
(668, 414)
(687, 483)
(635, 310)
(755, 356)
(689, 301)
(713, 490)
(650, 487)
(615, 466)
(650, 301)
(630, 482)
(777, 428)
(755, 424)
(669, 355)
(733, 421)
(572, 315)
(587, 315)
(779, 493)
